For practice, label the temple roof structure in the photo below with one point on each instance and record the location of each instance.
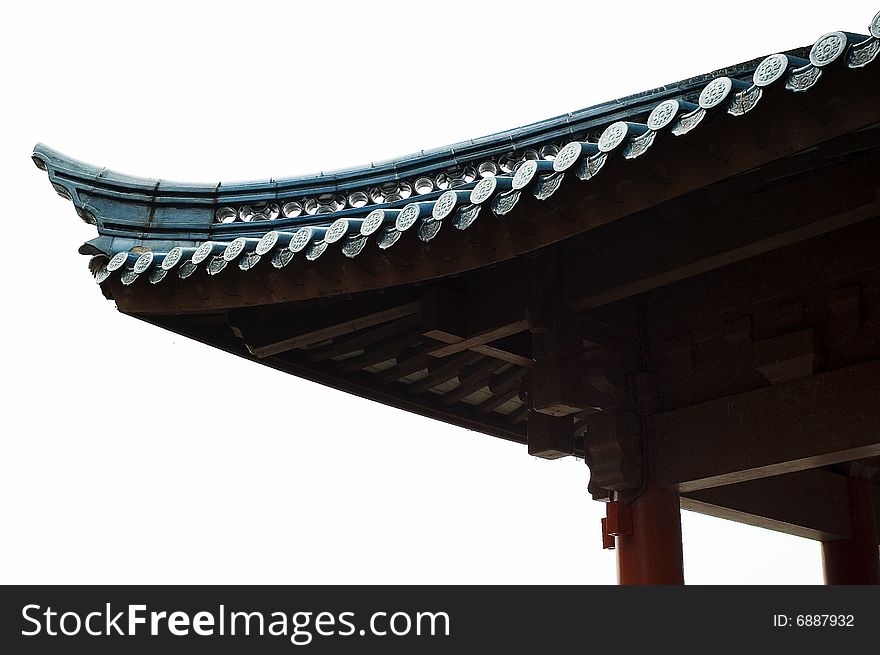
(464, 283)
(154, 229)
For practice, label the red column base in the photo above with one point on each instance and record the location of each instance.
(855, 560)
(652, 553)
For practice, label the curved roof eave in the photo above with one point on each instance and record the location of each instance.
(156, 228)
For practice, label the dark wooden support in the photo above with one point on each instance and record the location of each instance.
(518, 415)
(810, 504)
(558, 385)
(382, 350)
(816, 421)
(855, 560)
(725, 359)
(788, 357)
(330, 329)
(652, 552)
(363, 339)
(613, 451)
(493, 403)
(440, 371)
(504, 387)
(408, 362)
(504, 356)
(458, 344)
(472, 378)
(790, 272)
(692, 237)
(470, 323)
(550, 437)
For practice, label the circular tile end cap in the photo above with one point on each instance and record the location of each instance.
(172, 258)
(715, 92)
(233, 250)
(663, 114)
(567, 157)
(202, 252)
(484, 190)
(372, 222)
(266, 243)
(524, 174)
(407, 217)
(444, 205)
(771, 70)
(613, 136)
(301, 239)
(336, 231)
(143, 262)
(827, 49)
(117, 261)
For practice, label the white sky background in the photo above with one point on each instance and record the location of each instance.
(131, 455)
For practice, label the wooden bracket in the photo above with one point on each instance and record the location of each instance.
(550, 437)
(613, 451)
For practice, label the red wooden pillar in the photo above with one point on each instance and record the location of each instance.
(651, 553)
(855, 560)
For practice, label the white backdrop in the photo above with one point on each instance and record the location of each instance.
(130, 455)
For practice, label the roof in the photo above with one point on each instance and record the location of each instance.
(419, 282)
(155, 230)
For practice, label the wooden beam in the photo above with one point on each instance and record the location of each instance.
(333, 330)
(440, 371)
(408, 362)
(703, 232)
(786, 273)
(810, 503)
(473, 379)
(558, 383)
(362, 339)
(505, 356)
(503, 387)
(810, 422)
(550, 437)
(467, 322)
(383, 350)
(614, 453)
(518, 415)
(458, 344)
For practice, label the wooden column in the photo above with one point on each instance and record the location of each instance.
(652, 553)
(855, 560)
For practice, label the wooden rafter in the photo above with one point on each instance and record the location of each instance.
(472, 380)
(444, 370)
(504, 387)
(332, 330)
(363, 339)
(383, 350)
